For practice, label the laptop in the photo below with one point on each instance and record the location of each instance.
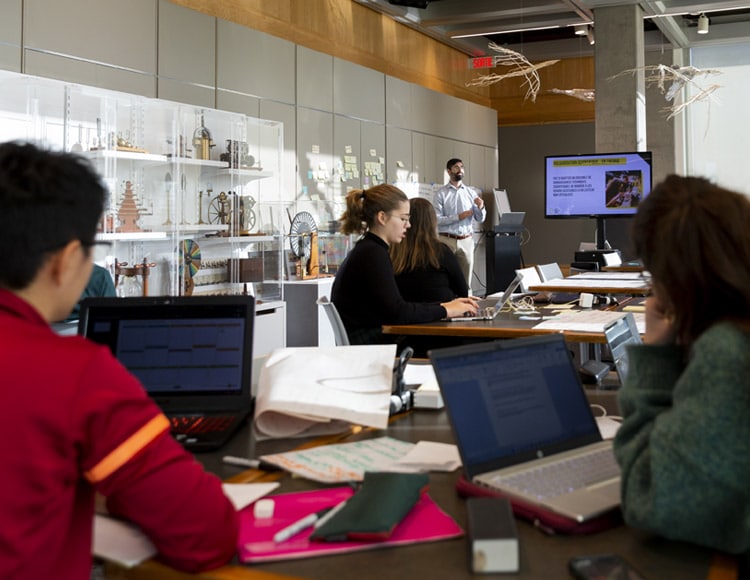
(490, 308)
(620, 334)
(193, 355)
(524, 427)
(512, 218)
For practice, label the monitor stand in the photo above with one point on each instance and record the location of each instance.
(601, 234)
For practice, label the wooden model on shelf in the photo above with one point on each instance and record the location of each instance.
(220, 210)
(202, 141)
(125, 145)
(244, 215)
(303, 239)
(312, 268)
(128, 212)
(142, 270)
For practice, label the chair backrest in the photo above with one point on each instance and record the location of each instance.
(529, 277)
(549, 272)
(339, 332)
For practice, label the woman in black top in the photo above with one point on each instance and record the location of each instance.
(426, 269)
(365, 291)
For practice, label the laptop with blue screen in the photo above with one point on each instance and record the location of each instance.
(524, 427)
(193, 355)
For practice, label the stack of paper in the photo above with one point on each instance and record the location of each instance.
(308, 391)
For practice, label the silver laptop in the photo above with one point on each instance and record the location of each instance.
(524, 427)
(490, 308)
(620, 335)
(512, 218)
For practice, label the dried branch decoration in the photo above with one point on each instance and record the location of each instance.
(520, 66)
(588, 95)
(679, 77)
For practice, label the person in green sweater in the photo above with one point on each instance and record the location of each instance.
(684, 444)
(100, 284)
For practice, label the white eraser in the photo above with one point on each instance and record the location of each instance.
(263, 509)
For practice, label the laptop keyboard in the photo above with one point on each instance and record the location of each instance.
(194, 424)
(563, 476)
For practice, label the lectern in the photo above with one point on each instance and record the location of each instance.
(502, 255)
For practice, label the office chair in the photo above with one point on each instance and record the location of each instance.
(549, 272)
(339, 332)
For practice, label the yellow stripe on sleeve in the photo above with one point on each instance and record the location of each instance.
(127, 449)
(723, 567)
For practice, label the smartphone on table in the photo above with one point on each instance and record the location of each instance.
(602, 567)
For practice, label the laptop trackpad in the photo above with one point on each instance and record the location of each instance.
(585, 504)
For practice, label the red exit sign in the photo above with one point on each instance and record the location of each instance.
(482, 62)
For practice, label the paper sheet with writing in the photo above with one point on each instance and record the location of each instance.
(307, 391)
(348, 461)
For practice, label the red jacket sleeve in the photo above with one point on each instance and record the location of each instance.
(181, 508)
(129, 456)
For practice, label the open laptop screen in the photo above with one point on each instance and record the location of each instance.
(621, 334)
(176, 346)
(512, 401)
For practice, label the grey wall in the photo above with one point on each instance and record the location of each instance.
(522, 151)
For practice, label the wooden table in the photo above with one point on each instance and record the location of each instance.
(502, 326)
(625, 283)
(541, 555)
(624, 268)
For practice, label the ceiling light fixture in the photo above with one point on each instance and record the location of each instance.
(703, 24)
(590, 35)
(580, 29)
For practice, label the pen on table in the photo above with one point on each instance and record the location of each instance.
(300, 525)
(252, 463)
(331, 512)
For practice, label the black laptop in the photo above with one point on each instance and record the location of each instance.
(193, 355)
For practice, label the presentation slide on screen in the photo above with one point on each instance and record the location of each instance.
(587, 185)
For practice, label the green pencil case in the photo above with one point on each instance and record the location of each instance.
(371, 514)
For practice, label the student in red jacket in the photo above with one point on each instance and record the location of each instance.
(75, 422)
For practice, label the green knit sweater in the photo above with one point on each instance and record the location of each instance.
(684, 445)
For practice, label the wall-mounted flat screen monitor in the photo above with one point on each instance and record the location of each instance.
(597, 185)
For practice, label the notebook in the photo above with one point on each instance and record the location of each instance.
(620, 334)
(518, 411)
(489, 309)
(193, 355)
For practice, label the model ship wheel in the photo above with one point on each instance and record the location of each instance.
(219, 209)
(300, 234)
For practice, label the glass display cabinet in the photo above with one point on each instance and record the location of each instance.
(194, 201)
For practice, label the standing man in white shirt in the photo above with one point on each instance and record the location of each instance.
(457, 205)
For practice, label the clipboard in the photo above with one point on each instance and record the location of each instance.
(426, 522)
